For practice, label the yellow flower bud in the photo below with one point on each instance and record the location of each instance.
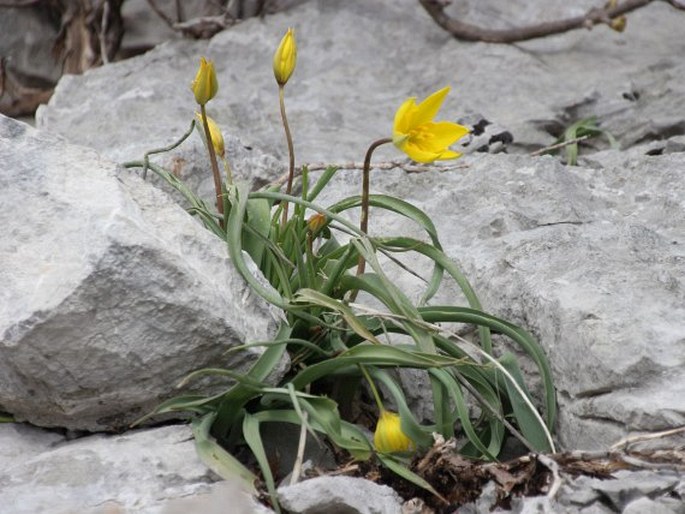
(619, 24)
(316, 222)
(205, 84)
(214, 133)
(389, 436)
(285, 58)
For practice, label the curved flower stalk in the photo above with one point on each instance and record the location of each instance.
(205, 87)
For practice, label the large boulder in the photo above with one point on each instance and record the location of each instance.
(111, 292)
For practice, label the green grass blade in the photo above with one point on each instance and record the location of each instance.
(253, 439)
(397, 467)
(216, 458)
(526, 420)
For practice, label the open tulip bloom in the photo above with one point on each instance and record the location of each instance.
(422, 139)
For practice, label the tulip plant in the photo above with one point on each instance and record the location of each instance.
(343, 353)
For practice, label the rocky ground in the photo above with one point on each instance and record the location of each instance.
(590, 258)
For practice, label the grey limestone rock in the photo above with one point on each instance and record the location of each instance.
(111, 293)
(151, 471)
(339, 495)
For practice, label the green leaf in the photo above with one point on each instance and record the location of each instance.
(232, 402)
(325, 178)
(253, 439)
(373, 355)
(216, 458)
(259, 219)
(527, 422)
(438, 314)
(463, 411)
(397, 467)
(309, 295)
(234, 231)
(410, 211)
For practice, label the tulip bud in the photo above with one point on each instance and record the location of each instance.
(205, 84)
(214, 133)
(389, 437)
(619, 24)
(285, 58)
(316, 222)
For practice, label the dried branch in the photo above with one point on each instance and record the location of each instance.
(469, 32)
(159, 12)
(558, 146)
(19, 3)
(624, 443)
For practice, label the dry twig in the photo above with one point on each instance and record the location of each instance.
(469, 32)
(624, 443)
(558, 146)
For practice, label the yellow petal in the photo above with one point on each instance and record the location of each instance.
(448, 154)
(428, 109)
(285, 58)
(403, 115)
(445, 133)
(418, 154)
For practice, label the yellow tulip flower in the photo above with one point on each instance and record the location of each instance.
(389, 436)
(205, 84)
(285, 58)
(422, 139)
(215, 134)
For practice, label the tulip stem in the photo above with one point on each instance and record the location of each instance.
(373, 388)
(291, 151)
(212, 158)
(364, 222)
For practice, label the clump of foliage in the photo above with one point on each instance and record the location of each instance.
(315, 261)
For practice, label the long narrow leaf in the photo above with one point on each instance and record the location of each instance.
(216, 458)
(253, 438)
(400, 469)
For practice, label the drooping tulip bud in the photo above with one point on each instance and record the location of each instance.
(205, 84)
(619, 24)
(215, 134)
(389, 437)
(285, 58)
(316, 222)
